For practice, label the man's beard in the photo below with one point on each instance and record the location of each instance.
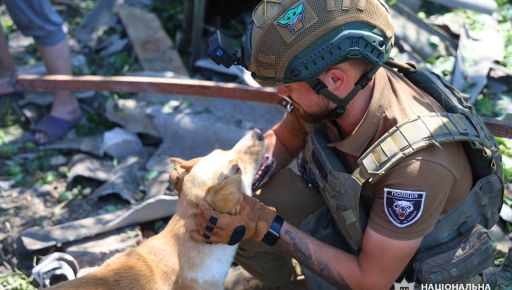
(317, 117)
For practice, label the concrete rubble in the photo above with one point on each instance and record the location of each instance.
(475, 55)
(93, 251)
(120, 143)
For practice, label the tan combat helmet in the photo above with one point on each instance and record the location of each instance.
(297, 40)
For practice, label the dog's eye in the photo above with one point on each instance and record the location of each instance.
(236, 169)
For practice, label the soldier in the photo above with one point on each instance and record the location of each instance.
(388, 185)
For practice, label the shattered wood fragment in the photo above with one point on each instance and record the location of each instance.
(37, 238)
(89, 167)
(125, 179)
(95, 250)
(197, 29)
(482, 6)
(89, 144)
(477, 50)
(501, 73)
(96, 22)
(153, 46)
(131, 114)
(426, 40)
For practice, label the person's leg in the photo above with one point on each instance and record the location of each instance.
(38, 19)
(294, 201)
(57, 60)
(7, 67)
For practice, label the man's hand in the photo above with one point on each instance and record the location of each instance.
(252, 223)
(180, 168)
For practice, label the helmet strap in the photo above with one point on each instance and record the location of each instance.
(321, 88)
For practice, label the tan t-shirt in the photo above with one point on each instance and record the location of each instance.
(408, 199)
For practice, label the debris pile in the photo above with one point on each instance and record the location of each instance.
(105, 186)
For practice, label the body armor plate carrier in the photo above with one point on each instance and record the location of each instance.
(320, 167)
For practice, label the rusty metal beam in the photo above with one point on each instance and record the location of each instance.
(499, 128)
(140, 84)
(184, 87)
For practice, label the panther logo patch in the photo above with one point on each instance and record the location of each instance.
(403, 207)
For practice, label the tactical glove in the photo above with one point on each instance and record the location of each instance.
(252, 223)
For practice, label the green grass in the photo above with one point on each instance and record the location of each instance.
(505, 146)
(16, 281)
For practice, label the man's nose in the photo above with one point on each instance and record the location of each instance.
(283, 90)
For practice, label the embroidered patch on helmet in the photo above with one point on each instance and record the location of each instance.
(293, 18)
(296, 19)
(403, 207)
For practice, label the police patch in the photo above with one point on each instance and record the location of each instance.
(403, 207)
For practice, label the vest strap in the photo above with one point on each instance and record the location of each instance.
(411, 136)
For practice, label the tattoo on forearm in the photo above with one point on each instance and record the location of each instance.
(303, 253)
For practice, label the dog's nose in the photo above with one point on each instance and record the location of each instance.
(257, 133)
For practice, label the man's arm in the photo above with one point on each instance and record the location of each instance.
(285, 140)
(378, 265)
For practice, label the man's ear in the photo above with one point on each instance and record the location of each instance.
(334, 78)
(226, 195)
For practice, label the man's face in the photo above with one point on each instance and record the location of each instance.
(313, 108)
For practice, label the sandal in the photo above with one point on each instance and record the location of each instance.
(54, 128)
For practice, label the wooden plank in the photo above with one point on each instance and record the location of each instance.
(96, 22)
(188, 21)
(482, 6)
(186, 87)
(197, 29)
(153, 46)
(415, 32)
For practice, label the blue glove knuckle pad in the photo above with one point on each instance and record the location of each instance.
(213, 220)
(208, 229)
(237, 235)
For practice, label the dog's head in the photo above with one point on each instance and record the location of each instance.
(221, 177)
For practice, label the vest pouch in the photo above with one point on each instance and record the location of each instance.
(466, 256)
(480, 207)
(339, 189)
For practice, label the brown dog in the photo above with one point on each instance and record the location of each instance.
(171, 260)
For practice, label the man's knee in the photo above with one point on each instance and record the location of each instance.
(288, 193)
(38, 19)
(265, 263)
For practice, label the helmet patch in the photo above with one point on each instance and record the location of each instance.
(293, 18)
(403, 207)
(296, 19)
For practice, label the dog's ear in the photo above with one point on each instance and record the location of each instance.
(180, 168)
(226, 195)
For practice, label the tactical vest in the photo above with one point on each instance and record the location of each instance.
(341, 190)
